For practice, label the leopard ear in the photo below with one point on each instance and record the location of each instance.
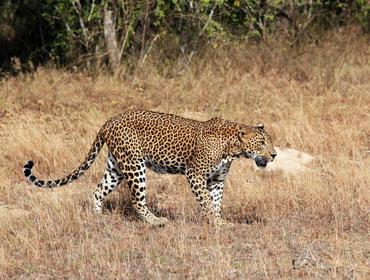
(260, 125)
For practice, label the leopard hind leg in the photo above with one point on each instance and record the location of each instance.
(134, 172)
(111, 179)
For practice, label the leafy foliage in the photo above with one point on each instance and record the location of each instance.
(72, 31)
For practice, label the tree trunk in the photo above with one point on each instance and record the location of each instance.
(111, 39)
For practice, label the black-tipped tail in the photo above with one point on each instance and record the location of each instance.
(93, 153)
(27, 171)
(27, 168)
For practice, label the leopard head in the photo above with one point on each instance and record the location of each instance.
(256, 143)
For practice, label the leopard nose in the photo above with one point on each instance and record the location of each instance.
(273, 155)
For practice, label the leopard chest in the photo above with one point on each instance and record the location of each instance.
(218, 172)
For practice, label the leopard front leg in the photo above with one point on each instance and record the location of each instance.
(216, 192)
(136, 180)
(198, 185)
(215, 186)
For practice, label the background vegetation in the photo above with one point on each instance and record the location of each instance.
(96, 33)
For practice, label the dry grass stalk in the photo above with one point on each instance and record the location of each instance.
(317, 102)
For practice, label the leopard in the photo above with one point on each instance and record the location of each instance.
(202, 151)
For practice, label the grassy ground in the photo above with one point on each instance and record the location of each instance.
(314, 98)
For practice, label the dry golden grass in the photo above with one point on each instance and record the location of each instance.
(315, 99)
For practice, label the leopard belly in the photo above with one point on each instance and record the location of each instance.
(165, 167)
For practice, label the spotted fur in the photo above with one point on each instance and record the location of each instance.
(202, 151)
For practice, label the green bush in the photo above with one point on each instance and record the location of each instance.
(71, 32)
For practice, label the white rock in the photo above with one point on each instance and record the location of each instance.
(288, 160)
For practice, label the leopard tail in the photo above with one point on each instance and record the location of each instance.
(90, 158)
